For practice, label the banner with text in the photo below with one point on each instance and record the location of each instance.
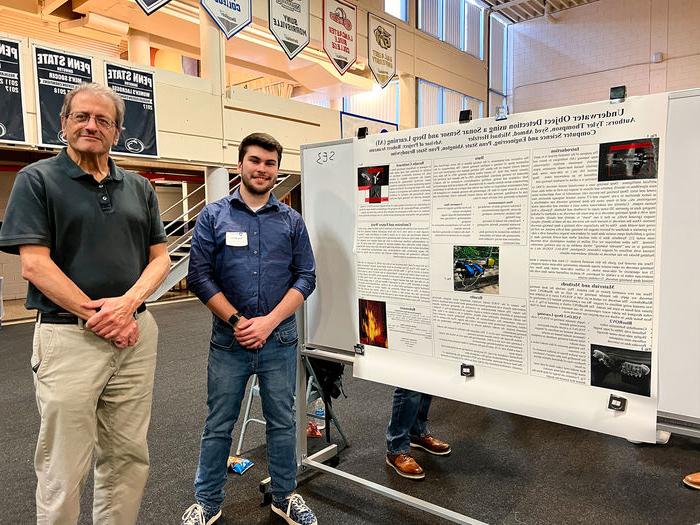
(381, 46)
(289, 22)
(56, 73)
(340, 33)
(151, 6)
(526, 249)
(136, 87)
(12, 126)
(230, 15)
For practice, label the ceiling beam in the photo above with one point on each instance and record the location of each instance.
(49, 6)
(24, 6)
(508, 5)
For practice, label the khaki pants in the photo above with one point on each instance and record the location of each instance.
(92, 397)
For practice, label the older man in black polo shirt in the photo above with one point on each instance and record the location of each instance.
(92, 246)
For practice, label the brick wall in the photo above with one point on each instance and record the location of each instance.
(586, 50)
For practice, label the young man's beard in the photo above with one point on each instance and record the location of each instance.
(256, 190)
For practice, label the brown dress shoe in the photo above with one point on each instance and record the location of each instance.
(405, 466)
(692, 480)
(431, 444)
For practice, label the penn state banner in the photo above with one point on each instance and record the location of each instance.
(56, 73)
(11, 96)
(289, 23)
(340, 33)
(151, 6)
(139, 134)
(381, 46)
(230, 15)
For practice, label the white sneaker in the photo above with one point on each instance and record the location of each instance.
(197, 515)
(294, 511)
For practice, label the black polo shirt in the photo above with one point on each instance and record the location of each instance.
(99, 233)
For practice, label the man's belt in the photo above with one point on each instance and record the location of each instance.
(68, 318)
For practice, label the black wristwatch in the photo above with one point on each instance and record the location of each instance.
(234, 319)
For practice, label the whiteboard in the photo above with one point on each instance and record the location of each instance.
(679, 318)
(328, 195)
(327, 187)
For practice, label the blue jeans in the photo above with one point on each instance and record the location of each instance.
(409, 417)
(230, 367)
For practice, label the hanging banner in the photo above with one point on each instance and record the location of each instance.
(12, 128)
(340, 33)
(381, 49)
(151, 6)
(230, 15)
(136, 87)
(289, 23)
(56, 73)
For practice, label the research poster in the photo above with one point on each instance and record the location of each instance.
(138, 135)
(525, 248)
(56, 73)
(12, 127)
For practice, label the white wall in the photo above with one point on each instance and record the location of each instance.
(586, 50)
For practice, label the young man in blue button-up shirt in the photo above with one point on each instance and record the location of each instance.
(252, 265)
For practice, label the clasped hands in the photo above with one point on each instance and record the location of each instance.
(114, 320)
(253, 333)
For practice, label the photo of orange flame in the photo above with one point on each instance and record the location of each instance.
(373, 323)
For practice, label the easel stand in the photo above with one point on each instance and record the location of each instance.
(316, 461)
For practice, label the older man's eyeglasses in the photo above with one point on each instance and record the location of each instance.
(84, 118)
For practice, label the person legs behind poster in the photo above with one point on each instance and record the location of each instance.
(408, 429)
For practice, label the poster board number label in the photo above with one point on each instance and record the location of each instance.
(324, 157)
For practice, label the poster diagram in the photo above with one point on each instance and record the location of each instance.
(373, 329)
(630, 159)
(373, 184)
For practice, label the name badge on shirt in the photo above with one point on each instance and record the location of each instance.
(236, 238)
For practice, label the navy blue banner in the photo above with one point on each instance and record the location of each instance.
(136, 87)
(56, 73)
(11, 107)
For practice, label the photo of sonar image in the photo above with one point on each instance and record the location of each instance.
(621, 369)
(373, 323)
(374, 182)
(628, 160)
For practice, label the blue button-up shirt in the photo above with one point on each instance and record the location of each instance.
(254, 258)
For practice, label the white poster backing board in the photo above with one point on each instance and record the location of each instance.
(566, 312)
